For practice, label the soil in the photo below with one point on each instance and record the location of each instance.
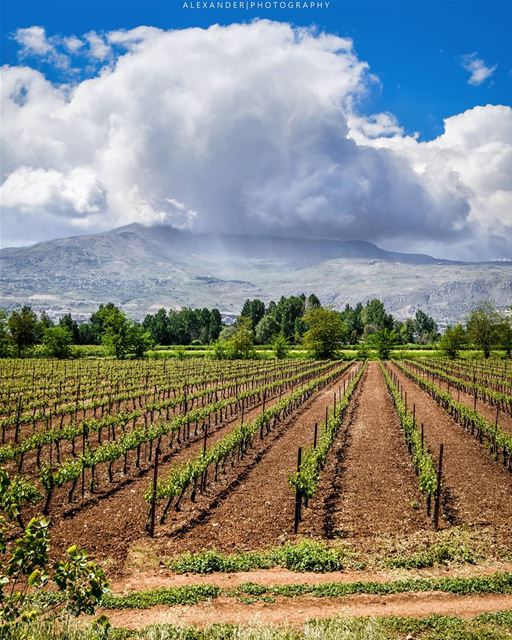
(295, 612)
(368, 486)
(261, 510)
(109, 527)
(476, 489)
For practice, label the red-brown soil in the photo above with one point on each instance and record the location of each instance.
(108, 527)
(368, 486)
(477, 490)
(260, 512)
(295, 612)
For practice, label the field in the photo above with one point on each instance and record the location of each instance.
(274, 491)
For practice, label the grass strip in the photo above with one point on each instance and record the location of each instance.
(497, 583)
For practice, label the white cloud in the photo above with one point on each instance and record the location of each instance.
(477, 69)
(245, 129)
(98, 48)
(33, 41)
(72, 43)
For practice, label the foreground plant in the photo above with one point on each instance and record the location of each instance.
(77, 583)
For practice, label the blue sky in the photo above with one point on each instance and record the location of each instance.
(382, 121)
(414, 47)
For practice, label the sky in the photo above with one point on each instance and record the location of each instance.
(382, 121)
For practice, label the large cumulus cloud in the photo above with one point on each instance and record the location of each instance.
(248, 129)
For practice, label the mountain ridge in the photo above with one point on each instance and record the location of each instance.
(143, 268)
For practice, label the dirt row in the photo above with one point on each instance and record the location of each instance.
(368, 486)
(260, 512)
(108, 525)
(295, 612)
(476, 489)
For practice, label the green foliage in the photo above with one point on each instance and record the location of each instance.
(240, 344)
(23, 328)
(15, 493)
(280, 347)
(452, 340)
(307, 477)
(187, 595)
(122, 336)
(5, 344)
(440, 553)
(383, 341)
(25, 569)
(57, 342)
(483, 325)
(325, 332)
(305, 555)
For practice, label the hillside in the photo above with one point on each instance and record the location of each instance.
(144, 268)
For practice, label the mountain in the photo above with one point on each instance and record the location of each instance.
(145, 268)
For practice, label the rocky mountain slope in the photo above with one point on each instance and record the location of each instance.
(143, 269)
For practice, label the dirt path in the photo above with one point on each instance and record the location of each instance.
(477, 490)
(108, 527)
(260, 512)
(163, 578)
(368, 486)
(295, 612)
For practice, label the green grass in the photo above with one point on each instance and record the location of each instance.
(306, 555)
(497, 583)
(490, 626)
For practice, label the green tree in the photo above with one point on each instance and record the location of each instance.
(254, 310)
(72, 326)
(57, 342)
(374, 315)
(266, 329)
(383, 341)
(452, 340)
(241, 342)
(122, 336)
(280, 347)
(23, 328)
(483, 327)
(325, 332)
(215, 326)
(5, 349)
(505, 332)
(425, 328)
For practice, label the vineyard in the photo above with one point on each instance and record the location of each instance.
(177, 459)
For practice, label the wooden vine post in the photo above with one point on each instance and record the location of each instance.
(153, 494)
(438, 490)
(298, 496)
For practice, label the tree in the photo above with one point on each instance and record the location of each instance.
(505, 332)
(483, 327)
(23, 328)
(452, 340)
(4, 334)
(122, 336)
(383, 341)
(266, 329)
(72, 326)
(254, 310)
(312, 302)
(158, 326)
(215, 326)
(325, 332)
(240, 344)
(280, 347)
(57, 342)
(375, 316)
(425, 328)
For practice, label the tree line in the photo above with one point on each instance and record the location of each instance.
(292, 320)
